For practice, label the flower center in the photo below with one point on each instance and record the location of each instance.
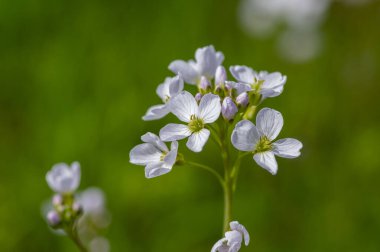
(256, 85)
(264, 144)
(196, 124)
(166, 98)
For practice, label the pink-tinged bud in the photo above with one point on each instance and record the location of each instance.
(57, 200)
(220, 76)
(242, 99)
(204, 84)
(229, 108)
(198, 97)
(53, 218)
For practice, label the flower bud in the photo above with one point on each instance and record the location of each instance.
(57, 200)
(204, 84)
(229, 108)
(77, 208)
(242, 99)
(220, 76)
(198, 97)
(53, 218)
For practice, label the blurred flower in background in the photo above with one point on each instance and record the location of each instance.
(300, 39)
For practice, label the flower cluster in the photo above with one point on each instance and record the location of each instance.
(221, 109)
(81, 216)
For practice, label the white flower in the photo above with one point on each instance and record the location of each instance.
(185, 107)
(154, 155)
(63, 178)
(166, 90)
(233, 239)
(264, 83)
(93, 203)
(207, 60)
(259, 139)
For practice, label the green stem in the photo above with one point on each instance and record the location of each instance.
(73, 235)
(207, 168)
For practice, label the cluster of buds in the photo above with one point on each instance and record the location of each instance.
(64, 181)
(80, 215)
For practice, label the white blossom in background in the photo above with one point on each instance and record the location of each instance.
(95, 218)
(205, 64)
(63, 178)
(264, 83)
(166, 90)
(154, 155)
(259, 139)
(300, 19)
(186, 108)
(233, 239)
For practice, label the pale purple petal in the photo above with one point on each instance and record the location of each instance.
(175, 85)
(234, 225)
(155, 140)
(269, 122)
(184, 106)
(187, 71)
(156, 169)
(209, 108)
(197, 140)
(267, 161)
(287, 148)
(145, 153)
(243, 74)
(245, 136)
(239, 86)
(156, 112)
(171, 157)
(174, 131)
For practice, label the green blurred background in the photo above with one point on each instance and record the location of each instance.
(76, 77)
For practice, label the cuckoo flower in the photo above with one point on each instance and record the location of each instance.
(264, 83)
(259, 139)
(233, 239)
(205, 64)
(154, 155)
(63, 178)
(166, 90)
(186, 108)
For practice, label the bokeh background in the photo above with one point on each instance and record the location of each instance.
(76, 77)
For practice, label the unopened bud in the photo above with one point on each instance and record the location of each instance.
(77, 208)
(220, 76)
(229, 108)
(57, 200)
(242, 99)
(198, 97)
(53, 218)
(204, 84)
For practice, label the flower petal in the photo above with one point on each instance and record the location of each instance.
(163, 89)
(245, 136)
(287, 148)
(234, 225)
(197, 140)
(267, 161)
(233, 237)
(174, 131)
(243, 74)
(145, 153)
(155, 169)
(155, 140)
(189, 74)
(171, 157)
(184, 106)
(269, 122)
(175, 85)
(207, 61)
(273, 84)
(209, 108)
(219, 58)
(156, 112)
(220, 246)
(239, 86)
